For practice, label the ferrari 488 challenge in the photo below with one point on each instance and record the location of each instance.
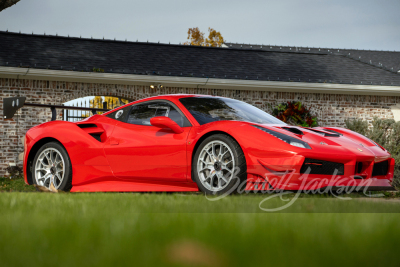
(198, 142)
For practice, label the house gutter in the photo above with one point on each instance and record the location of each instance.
(192, 82)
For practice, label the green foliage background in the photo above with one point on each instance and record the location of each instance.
(295, 113)
(385, 132)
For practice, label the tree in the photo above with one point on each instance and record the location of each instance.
(7, 3)
(215, 38)
(196, 37)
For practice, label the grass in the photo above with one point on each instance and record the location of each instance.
(132, 229)
(14, 185)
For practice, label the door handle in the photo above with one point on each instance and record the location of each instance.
(114, 142)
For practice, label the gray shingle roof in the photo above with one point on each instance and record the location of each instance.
(389, 60)
(80, 54)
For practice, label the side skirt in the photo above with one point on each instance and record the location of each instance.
(128, 186)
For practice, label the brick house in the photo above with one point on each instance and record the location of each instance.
(337, 84)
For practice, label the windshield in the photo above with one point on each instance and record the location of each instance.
(209, 109)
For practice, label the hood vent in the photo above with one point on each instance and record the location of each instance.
(293, 130)
(332, 131)
(326, 134)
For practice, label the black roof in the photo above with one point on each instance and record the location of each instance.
(82, 54)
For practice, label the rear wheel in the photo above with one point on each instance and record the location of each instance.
(219, 165)
(52, 164)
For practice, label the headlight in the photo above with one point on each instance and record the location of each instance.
(298, 144)
(286, 138)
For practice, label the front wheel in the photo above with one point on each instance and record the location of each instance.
(52, 164)
(219, 165)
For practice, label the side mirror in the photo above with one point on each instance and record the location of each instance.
(165, 122)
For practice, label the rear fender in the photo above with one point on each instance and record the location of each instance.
(82, 148)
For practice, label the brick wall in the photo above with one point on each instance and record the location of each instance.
(331, 109)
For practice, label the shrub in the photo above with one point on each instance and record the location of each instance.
(385, 132)
(14, 171)
(295, 113)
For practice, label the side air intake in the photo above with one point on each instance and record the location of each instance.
(96, 136)
(87, 125)
(92, 130)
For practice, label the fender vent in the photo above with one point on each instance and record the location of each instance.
(380, 168)
(322, 167)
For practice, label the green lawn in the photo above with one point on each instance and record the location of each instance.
(14, 185)
(132, 229)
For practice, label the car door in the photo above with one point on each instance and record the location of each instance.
(139, 151)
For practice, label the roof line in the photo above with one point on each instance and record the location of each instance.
(156, 44)
(312, 47)
(213, 83)
(369, 64)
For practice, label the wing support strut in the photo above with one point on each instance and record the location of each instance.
(12, 104)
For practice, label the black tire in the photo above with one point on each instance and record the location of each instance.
(66, 183)
(240, 176)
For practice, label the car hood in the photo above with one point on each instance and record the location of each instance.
(333, 140)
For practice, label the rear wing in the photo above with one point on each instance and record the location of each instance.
(12, 104)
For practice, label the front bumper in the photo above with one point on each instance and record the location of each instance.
(286, 173)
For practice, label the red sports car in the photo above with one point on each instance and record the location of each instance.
(199, 142)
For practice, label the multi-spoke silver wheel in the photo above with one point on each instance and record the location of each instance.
(215, 165)
(49, 166)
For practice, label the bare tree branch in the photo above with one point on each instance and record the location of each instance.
(7, 3)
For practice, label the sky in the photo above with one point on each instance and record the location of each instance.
(347, 24)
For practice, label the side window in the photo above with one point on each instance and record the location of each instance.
(120, 115)
(142, 113)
